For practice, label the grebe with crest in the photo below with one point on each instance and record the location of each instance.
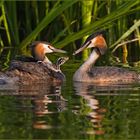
(105, 74)
(37, 68)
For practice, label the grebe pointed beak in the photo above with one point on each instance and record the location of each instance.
(53, 49)
(94, 42)
(85, 45)
(56, 50)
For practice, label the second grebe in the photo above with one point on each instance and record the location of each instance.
(104, 74)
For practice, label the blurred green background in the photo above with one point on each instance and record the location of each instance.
(67, 23)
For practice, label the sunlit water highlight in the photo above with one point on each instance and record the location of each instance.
(71, 111)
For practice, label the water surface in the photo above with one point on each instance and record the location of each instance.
(71, 111)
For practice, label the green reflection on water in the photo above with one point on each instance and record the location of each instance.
(75, 112)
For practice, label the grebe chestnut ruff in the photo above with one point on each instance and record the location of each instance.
(40, 48)
(40, 69)
(105, 74)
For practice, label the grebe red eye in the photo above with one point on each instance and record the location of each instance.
(50, 47)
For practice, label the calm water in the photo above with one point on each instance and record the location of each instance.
(70, 111)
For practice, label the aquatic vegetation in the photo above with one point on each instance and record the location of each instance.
(66, 23)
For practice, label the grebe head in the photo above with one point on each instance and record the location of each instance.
(39, 49)
(95, 40)
(61, 60)
(55, 70)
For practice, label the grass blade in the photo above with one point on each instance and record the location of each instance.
(127, 33)
(47, 19)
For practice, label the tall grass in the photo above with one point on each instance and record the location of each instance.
(66, 23)
(5, 23)
(45, 21)
(105, 22)
(11, 16)
(86, 20)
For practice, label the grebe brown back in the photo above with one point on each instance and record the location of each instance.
(21, 72)
(106, 74)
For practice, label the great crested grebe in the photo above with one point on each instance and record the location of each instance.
(105, 74)
(40, 48)
(31, 71)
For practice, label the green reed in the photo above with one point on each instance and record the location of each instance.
(5, 23)
(54, 12)
(86, 19)
(103, 23)
(66, 23)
